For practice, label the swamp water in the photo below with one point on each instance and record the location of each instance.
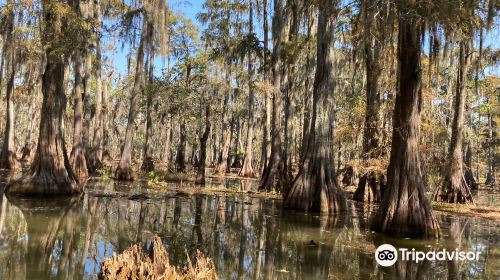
(247, 237)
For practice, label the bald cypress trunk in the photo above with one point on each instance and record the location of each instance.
(8, 158)
(454, 188)
(371, 184)
(200, 179)
(51, 172)
(77, 156)
(315, 188)
(405, 209)
(272, 176)
(147, 163)
(124, 169)
(247, 168)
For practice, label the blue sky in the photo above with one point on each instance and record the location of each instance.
(189, 8)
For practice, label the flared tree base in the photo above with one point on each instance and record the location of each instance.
(9, 161)
(454, 190)
(148, 165)
(315, 189)
(79, 165)
(371, 187)
(413, 218)
(124, 173)
(247, 170)
(44, 184)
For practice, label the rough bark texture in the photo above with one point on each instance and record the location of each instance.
(222, 165)
(95, 155)
(315, 188)
(8, 158)
(405, 209)
(200, 178)
(181, 149)
(51, 172)
(148, 164)
(77, 156)
(454, 188)
(272, 176)
(371, 184)
(124, 169)
(247, 168)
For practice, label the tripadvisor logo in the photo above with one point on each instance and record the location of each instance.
(387, 255)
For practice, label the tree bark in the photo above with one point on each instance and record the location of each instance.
(222, 166)
(8, 158)
(454, 188)
(95, 155)
(51, 172)
(405, 209)
(148, 164)
(200, 179)
(77, 156)
(272, 176)
(181, 149)
(371, 184)
(315, 188)
(124, 169)
(247, 168)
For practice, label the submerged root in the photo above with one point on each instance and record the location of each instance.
(370, 187)
(134, 263)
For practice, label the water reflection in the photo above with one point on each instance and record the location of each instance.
(247, 237)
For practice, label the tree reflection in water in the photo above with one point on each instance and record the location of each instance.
(247, 237)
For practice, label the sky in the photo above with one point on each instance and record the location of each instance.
(190, 8)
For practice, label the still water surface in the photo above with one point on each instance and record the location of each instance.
(247, 237)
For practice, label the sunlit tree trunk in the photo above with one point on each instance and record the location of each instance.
(77, 156)
(315, 188)
(8, 158)
(124, 169)
(454, 188)
(247, 168)
(273, 172)
(405, 210)
(51, 172)
(222, 166)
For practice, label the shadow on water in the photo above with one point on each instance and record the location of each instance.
(247, 237)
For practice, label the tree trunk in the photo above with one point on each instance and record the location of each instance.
(315, 188)
(51, 172)
(272, 176)
(490, 176)
(266, 137)
(106, 156)
(181, 149)
(203, 147)
(454, 188)
(95, 157)
(371, 184)
(8, 158)
(405, 209)
(124, 169)
(222, 165)
(148, 164)
(77, 156)
(168, 137)
(247, 168)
